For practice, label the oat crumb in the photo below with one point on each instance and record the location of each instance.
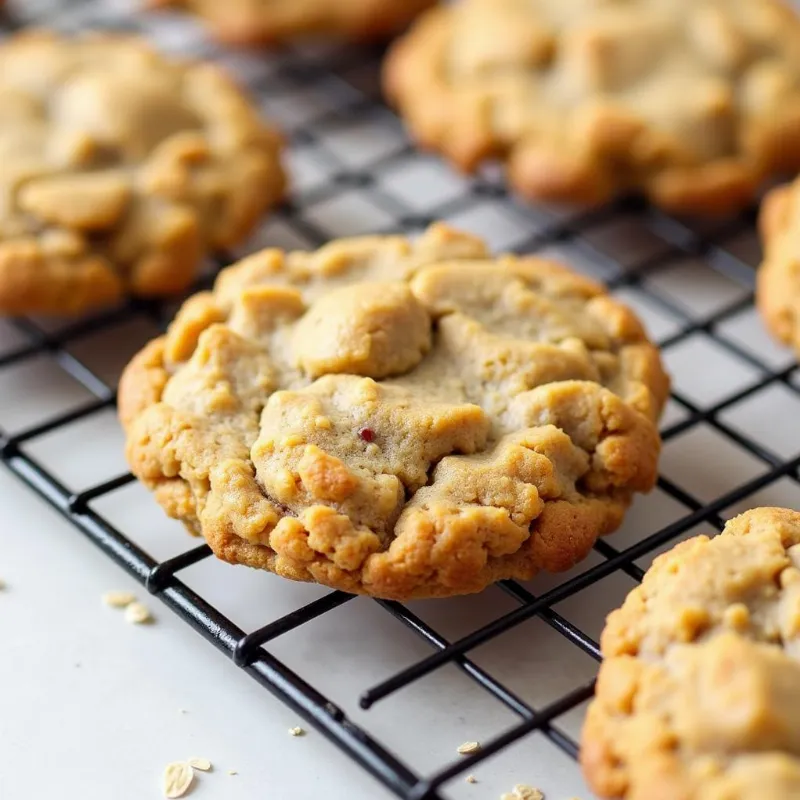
(118, 599)
(203, 764)
(138, 614)
(471, 779)
(178, 777)
(524, 792)
(3, 585)
(468, 748)
(297, 731)
(232, 772)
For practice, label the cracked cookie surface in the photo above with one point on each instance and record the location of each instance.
(778, 277)
(120, 170)
(266, 21)
(689, 102)
(403, 419)
(699, 694)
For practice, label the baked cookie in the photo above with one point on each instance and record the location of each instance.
(265, 21)
(396, 418)
(778, 278)
(690, 103)
(699, 694)
(120, 170)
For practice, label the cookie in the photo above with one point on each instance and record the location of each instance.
(395, 418)
(778, 278)
(266, 21)
(689, 103)
(698, 697)
(120, 170)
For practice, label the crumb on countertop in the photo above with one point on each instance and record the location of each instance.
(523, 792)
(138, 614)
(117, 599)
(178, 777)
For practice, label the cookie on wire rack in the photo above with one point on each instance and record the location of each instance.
(699, 693)
(270, 21)
(692, 104)
(397, 418)
(778, 277)
(120, 170)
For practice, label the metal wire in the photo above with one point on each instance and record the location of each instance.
(298, 71)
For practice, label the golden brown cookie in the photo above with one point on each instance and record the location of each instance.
(266, 21)
(403, 419)
(699, 694)
(778, 285)
(690, 102)
(120, 170)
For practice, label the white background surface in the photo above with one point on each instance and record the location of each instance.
(90, 706)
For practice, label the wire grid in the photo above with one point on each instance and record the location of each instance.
(321, 95)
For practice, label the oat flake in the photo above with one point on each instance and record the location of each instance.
(178, 777)
(203, 764)
(524, 792)
(138, 614)
(118, 599)
(468, 748)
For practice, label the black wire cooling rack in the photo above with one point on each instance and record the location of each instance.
(320, 95)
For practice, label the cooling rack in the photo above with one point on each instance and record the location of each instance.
(727, 443)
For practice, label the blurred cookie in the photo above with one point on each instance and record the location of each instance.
(265, 21)
(690, 103)
(778, 289)
(699, 693)
(402, 419)
(120, 170)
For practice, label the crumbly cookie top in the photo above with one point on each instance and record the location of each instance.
(689, 101)
(119, 169)
(398, 418)
(274, 20)
(778, 294)
(699, 696)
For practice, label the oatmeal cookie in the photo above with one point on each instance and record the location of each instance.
(699, 694)
(266, 21)
(778, 285)
(120, 170)
(402, 419)
(691, 103)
